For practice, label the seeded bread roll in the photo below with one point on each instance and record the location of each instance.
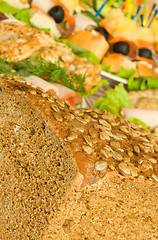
(145, 106)
(17, 41)
(71, 173)
(146, 99)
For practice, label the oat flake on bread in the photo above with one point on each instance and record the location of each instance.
(71, 173)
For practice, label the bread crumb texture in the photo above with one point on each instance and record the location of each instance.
(71, 173)
(113, 208)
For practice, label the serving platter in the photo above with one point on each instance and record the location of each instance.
(112, 78)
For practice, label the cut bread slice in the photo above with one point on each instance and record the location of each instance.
(111, 209)
(42, 191)
(144, 106)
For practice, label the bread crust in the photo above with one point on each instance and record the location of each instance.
(93, 137)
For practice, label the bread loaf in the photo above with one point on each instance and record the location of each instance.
(71, 173)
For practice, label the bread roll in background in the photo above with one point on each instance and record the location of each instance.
(146, 99)
(144, 106)
(71, 173)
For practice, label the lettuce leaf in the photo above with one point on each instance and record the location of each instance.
(140, 122)
(24, 16)
(140, 83)
(125, 73)
(47, 30)
(149, 82)
(113, 100)
(79, 51)
(133, 83)
(20, 14)
(6, 8)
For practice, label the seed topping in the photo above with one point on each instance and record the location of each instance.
(101, 165)
(104, 141)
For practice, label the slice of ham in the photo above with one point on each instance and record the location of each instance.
(55, 88)
(150, 117)
(82, 22)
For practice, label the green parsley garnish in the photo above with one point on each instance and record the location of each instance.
(51, 72)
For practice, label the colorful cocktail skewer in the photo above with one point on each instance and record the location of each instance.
(137, 12)
(156, 11)
(101, 8)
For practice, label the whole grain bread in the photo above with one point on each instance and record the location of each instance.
(73, 174)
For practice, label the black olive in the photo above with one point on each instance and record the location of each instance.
(57, 13)
(102, 31)
(121, 47)
(145, 52)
